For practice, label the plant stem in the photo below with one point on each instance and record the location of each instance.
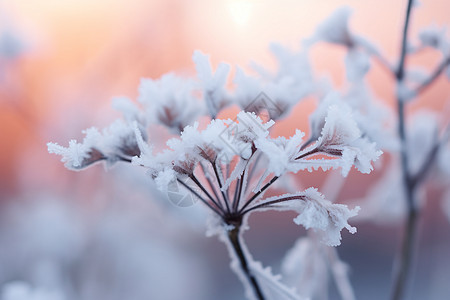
(402, 270)
(259, 193)
(234, 237)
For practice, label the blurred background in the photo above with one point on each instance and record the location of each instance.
(105, 235)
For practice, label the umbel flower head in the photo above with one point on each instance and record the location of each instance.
(230, 165)
(224, 162)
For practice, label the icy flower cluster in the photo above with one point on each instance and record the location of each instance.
(236, 145)
(229, 164)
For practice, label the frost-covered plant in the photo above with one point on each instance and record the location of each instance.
(419, 144)
(230, 165)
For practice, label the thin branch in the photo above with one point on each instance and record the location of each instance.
(401, 272)
(429, 161)
(381, 59)
(241, 182)
(258, 156)
(269, 203)
(211, 185)
(259, 193)
(236, 191)
(219, 181)
(195, 180)
(234, 237)
(432, 78)
(311, 152)
(200, 197)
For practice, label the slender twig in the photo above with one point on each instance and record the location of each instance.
(381, 59)
(239, 192)
(258, 156)
(241, 183)
(432, 78)
(308, 142)
(234, 237)
(195, 180)
(401, 272)
(311, 152)
(219, 181)
(269, 203)
(211, 185)
(200, 197)
(259, 193)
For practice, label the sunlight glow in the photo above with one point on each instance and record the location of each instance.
(240, 11)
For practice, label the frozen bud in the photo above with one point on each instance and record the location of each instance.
(434, 37)
(335, 28)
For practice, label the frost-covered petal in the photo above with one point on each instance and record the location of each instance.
(339, 129)
(341, 137)
(79, 155)
(325, 218)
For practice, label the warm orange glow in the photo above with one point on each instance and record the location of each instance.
(82, 53)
